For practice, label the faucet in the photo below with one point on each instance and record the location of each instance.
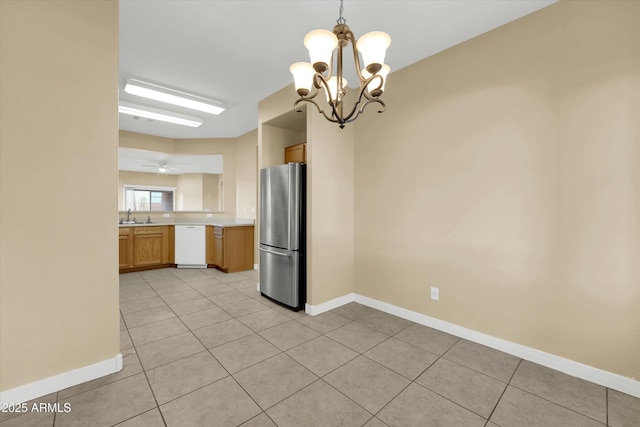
(129, 215)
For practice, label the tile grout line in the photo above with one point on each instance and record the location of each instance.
(504, 391)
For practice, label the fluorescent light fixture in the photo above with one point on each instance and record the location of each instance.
(171, 96)
(156, 114)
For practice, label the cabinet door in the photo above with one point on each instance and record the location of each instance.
(168, 244)
(211, 250)
(124, 253)
(147, 249)
(238, 248)
(125, 248)
(296, 153)
(218, 247)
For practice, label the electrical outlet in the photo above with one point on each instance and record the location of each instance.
(166, 215)
(435, 293)
(209, 215)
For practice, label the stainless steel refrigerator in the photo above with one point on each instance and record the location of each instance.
(283, 271)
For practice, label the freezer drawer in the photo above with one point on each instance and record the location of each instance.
(280, 276)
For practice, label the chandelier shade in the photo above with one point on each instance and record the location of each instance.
(375, 84)
(302, 77)
(326, 52)
(332, 93)
(373, 47)
(320, 44)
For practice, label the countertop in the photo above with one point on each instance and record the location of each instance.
(219, 222)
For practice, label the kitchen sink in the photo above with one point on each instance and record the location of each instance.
(135, 222)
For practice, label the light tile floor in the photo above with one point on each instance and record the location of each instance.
(203, 348)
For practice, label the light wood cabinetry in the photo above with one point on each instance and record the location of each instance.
(125, 246)
(211, 253)
(230, 249)
(218, 247)
(296, 153)
(145, 247)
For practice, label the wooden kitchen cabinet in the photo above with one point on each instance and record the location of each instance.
(218, 247)
(230, 249)
(210, 249)
(169, 244)
(296, 153)
(141, 248)
(125, 247)
(147, 246)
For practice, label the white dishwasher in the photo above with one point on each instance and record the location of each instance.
(190, 246)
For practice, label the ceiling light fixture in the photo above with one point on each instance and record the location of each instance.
(156, 114)
(309, 78)
(171, 96)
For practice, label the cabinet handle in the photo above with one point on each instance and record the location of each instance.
(273, 252)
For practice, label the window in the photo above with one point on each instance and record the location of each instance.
(143, 198)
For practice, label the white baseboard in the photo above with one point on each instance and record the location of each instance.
(313, 310)
(598, 376)
(61, 381)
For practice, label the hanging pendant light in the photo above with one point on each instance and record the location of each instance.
(317, 76)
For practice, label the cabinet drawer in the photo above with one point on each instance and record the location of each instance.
(147, 230)
(124, 231)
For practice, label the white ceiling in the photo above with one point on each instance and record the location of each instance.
(238, 52)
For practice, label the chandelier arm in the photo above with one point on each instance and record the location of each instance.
(311, 101)
(371, 79)
(357, 107)
(356, 112)
(356, 58)
(335, 117)
(319, 81)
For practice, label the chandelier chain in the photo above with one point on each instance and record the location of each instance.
(341, 20)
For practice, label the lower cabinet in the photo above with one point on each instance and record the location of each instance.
(145, 247)
(125, 246)
(230, 249)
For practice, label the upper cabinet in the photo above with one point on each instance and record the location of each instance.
(296, 153)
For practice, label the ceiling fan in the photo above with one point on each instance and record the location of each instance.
(162, 167)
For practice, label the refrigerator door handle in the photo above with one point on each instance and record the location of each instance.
(274, 252)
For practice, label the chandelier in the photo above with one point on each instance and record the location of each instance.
(312, 78)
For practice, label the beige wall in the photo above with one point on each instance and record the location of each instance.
(58, 174)
(247, 181)
(246, 175)
(505, 172)
(210, 184)
(146, 142)
(189, 193)
(330, 206)
(226, 147)
(329, 189)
